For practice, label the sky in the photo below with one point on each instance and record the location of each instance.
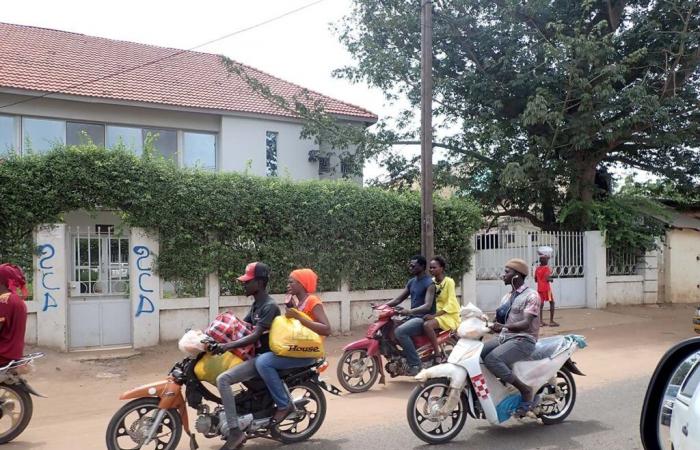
(300, 47)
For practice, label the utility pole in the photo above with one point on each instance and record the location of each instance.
(427, 239)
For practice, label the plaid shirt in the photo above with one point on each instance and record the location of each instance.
(226, 328)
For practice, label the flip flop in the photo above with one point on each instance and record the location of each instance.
(525, 407)
(553, 324)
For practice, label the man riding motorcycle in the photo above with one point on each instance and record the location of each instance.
(262, 313)
(422, 292)
(517, 321)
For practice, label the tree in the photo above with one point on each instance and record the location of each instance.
(543, 96)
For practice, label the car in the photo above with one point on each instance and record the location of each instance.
(685, 420)
(696, 320)
(667, 407)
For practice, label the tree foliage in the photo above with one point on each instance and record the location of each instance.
(217, 222)
(542, 96)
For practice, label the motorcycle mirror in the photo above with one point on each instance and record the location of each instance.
(673, 399)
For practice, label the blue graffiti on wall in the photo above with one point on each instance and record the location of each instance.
(47, 252)
(145, 303)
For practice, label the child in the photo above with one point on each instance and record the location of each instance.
(543, 278)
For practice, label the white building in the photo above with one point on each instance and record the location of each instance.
(92, 286)
(59, 87)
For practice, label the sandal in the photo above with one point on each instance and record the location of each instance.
(525, 407)
(553, 324)
(281, 414)
(439, 359)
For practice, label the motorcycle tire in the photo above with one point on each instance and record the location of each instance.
(344, 378)
(145, 405)
(563, 377)
(423, 391)
(282, 433)
(26, 414)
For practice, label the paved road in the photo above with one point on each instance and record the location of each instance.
(606, 418)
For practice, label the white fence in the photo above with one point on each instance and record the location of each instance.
(493, 250)
(627, 263)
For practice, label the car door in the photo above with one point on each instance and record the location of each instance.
(685, 420)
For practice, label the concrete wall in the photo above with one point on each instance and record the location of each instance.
(114, 114)
(682, 266)
(625, 290)
(243, 144)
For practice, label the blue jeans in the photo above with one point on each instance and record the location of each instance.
(412, 327)
(268, 364)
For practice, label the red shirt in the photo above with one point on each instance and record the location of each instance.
(13, 316)
(542, 274)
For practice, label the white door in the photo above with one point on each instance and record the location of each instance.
(99, 311)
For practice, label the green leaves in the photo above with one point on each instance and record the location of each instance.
(218, 222)
(577, 85)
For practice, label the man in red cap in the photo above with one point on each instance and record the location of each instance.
(13, 313)
(262, 313)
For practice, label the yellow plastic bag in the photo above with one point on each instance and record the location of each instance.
(211, 366)
(288, 337)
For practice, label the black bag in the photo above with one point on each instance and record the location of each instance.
(504, 310)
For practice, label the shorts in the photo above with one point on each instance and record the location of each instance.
(546, 296)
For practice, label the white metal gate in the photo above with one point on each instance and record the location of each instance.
(99, 312)
(493, 250)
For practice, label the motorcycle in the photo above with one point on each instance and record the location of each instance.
(361, 362)
(437, 408)
(16, 406)
(157, 413)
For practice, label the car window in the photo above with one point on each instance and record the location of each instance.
(691, 382)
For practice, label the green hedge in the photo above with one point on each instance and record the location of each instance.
(215, 222)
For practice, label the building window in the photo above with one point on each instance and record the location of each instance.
(85, 133)
(271, 152)
(7, 135)
(199, 150)
(164, 141)
(41, 135)
(128, 138)
(324, 164)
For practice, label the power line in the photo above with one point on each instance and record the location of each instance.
(155, 61)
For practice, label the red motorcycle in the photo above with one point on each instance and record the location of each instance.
(361, 363)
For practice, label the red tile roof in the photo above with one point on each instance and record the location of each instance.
(45, 60)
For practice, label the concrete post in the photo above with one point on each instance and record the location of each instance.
(345, 311)
(213, 292)
(469, 282)
(650, 271)
(51, 286)
(145, 288)
(595, 269)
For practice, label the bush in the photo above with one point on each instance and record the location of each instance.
(217, 222)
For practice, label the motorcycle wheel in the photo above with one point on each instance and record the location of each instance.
(128, 427)
(13, 421)
(424, 402)
(303, 424)
(556, 410)
(357, 372)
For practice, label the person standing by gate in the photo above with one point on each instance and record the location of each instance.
(13, 313)
(543, 278)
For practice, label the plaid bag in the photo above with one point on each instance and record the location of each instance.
(226, 328)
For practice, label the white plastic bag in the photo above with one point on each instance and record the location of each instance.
(545, 250)
(191, 342)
